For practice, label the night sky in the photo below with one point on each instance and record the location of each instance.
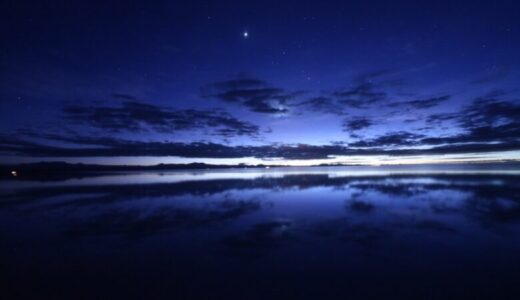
(281, 82)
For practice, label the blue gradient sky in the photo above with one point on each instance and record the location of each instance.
(368, 78)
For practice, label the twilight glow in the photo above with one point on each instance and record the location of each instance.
(350, 83)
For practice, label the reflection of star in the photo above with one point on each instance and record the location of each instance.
(245, 34)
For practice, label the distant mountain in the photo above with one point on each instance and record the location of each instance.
(48, 171)
(62, 170)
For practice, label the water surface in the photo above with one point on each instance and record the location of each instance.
(294, 233)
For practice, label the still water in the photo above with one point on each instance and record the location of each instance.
(298, 233)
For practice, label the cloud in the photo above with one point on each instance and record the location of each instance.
(479, 139)
(96, 147)
(111, 147)
(486, 125)
(255, 94)
(323, 104)
(367, 89)
(488, 111)
(124, 97)
(400, 138)
(134, 116)
(421, 103)
(503, 133)
(376, 75)
(357, 124)
(439, 119)
(364, 91)
(485, 120)
(496, 75)
(428, 225)
(361, 95)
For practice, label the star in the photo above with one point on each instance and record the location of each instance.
(245, 34)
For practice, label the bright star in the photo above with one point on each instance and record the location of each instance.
(245, 34)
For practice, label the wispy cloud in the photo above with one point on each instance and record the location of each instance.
(255, 94)
(134, 116)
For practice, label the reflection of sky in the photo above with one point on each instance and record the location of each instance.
(154, 177)
(415, 226)
(388, 193)
(361, 160)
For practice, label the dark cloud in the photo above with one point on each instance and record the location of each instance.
(428, 225)
(361, 95)
(489, 111)
(487, 125)
(120, 147)
(133, 116)
(109, 147)
(485, 120)
(124, 97)
(494, 76)
(421, 103)
(482, 134)
(382, 78)
(480, 139)
(485, 109)
(365, 90)
(357, 124)
(368, 89)
(323, 104)
(400, 138)
(439, 119)
(495, 94)
(255, 94)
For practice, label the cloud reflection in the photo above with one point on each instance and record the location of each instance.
(375, 207)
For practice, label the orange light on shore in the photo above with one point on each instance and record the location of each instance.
(14, 173)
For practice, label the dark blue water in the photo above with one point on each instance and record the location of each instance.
(264, 234)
